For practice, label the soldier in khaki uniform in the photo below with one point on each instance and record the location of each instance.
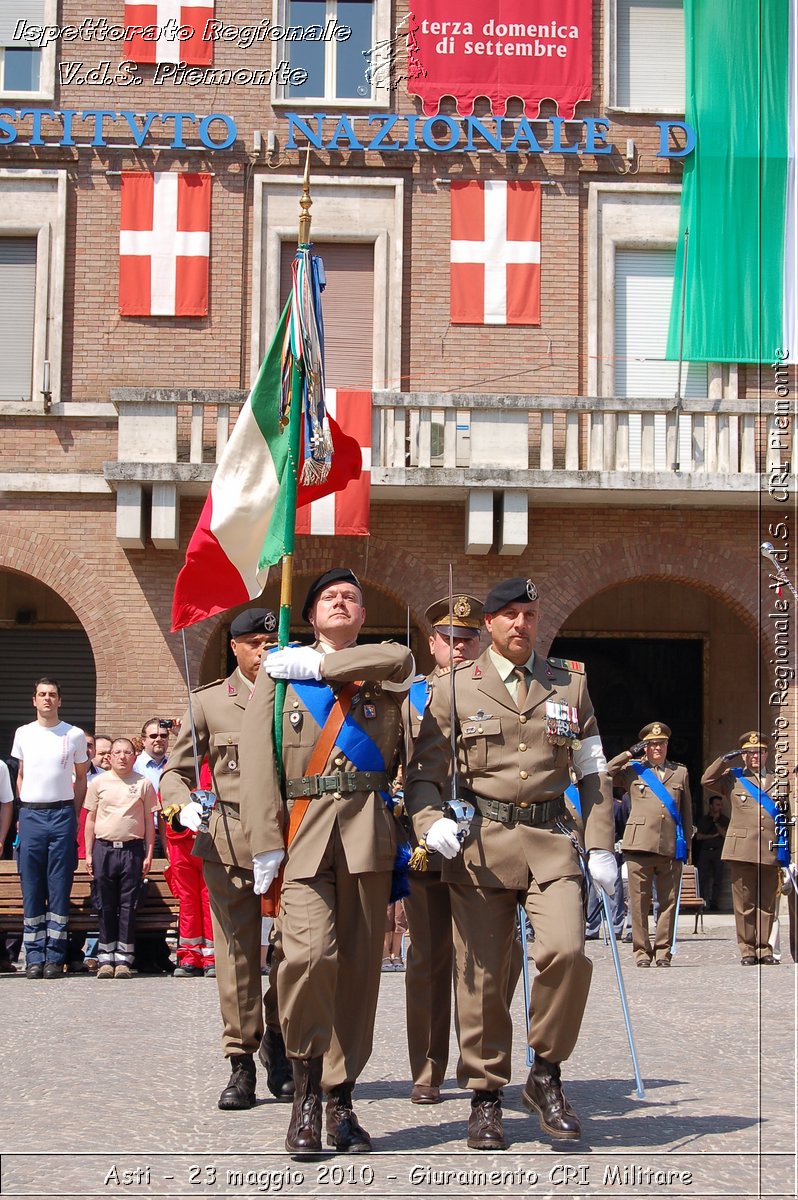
(338, 867)
(749, 845)
(428, 982)
(522, 722)
(218, 712)
(650, 838)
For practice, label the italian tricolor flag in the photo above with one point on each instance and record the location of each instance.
(739, 196)
(241, 529)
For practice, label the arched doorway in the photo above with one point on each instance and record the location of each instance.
(41, 635)
(657, 650)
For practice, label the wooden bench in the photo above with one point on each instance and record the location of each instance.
(691, 900)
(157, 910)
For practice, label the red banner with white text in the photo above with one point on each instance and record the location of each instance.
(534, 49)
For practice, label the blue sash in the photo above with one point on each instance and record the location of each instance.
(364, 752)
(764, 801)
(572, 796)
(666, 800)
(352, 738)
(419, 691)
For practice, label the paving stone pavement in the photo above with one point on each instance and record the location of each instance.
(110, 1088)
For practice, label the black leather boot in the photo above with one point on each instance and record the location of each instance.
(543, 1095)
(304, 1128)
(485, 1128)
(344, 1131)
(240, 1090)
(279, 1076)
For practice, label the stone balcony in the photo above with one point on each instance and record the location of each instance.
(497, 454)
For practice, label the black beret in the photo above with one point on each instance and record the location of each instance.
(253, 620)
(337, 575)
(512, 591)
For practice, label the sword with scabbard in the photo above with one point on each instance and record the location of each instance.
(605, 904)
(460, 810)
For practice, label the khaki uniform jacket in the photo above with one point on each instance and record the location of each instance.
(506, 755)
(750, 830)
(366, 827)
(650, 828)
(218, 712)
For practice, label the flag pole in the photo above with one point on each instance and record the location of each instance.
(292, 477)
(678, 407)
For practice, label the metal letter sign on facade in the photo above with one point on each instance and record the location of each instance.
(539, 50)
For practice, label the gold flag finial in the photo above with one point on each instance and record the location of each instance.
(304, 204)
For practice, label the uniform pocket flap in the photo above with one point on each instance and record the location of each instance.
(490, 727)
(224, 739)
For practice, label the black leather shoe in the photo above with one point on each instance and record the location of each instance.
(35, 971)
(543, 1095)
(279, 1076)
(767, 960)
(303, 1139)
(485, 1129)
(53, 970)
(240, 1090)
(749, 960)
(344, 1131)
(643, 962)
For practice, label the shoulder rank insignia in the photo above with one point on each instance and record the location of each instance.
(567, 664)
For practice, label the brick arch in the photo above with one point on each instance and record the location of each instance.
(375, 561)
(381, 564)
(686, 559)
(29, 552)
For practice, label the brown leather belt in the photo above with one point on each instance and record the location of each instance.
(514, 814)
(343, 782)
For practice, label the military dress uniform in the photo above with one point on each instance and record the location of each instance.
(514, 760)
(649, 847)
(749, 850)
(218, 710)
(338, 869)
(428, 978)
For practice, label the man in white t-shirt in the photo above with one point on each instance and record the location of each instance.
(51, 785)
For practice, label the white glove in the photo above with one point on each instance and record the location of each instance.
(294, 662)
(190, 816)
(603, 870)
(266, 866)
(442, 836)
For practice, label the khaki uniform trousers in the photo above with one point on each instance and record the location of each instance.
(428, 977)
(236, 920)
(484, 932)
(332, 929)
(643, 869)
(334, 1070)
(754, 893)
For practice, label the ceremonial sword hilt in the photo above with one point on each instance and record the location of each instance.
(461, 812)
(207, 801)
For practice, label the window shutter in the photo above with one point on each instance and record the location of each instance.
(348, 306)
(17, 312)
(31, 11)
(63, 654)
(650, 55)
(643, 288)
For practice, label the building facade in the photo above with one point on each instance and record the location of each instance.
(554, 450)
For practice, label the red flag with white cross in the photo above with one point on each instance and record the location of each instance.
(345, 511)
(495, 252)
(164, 244)
(169, 31)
